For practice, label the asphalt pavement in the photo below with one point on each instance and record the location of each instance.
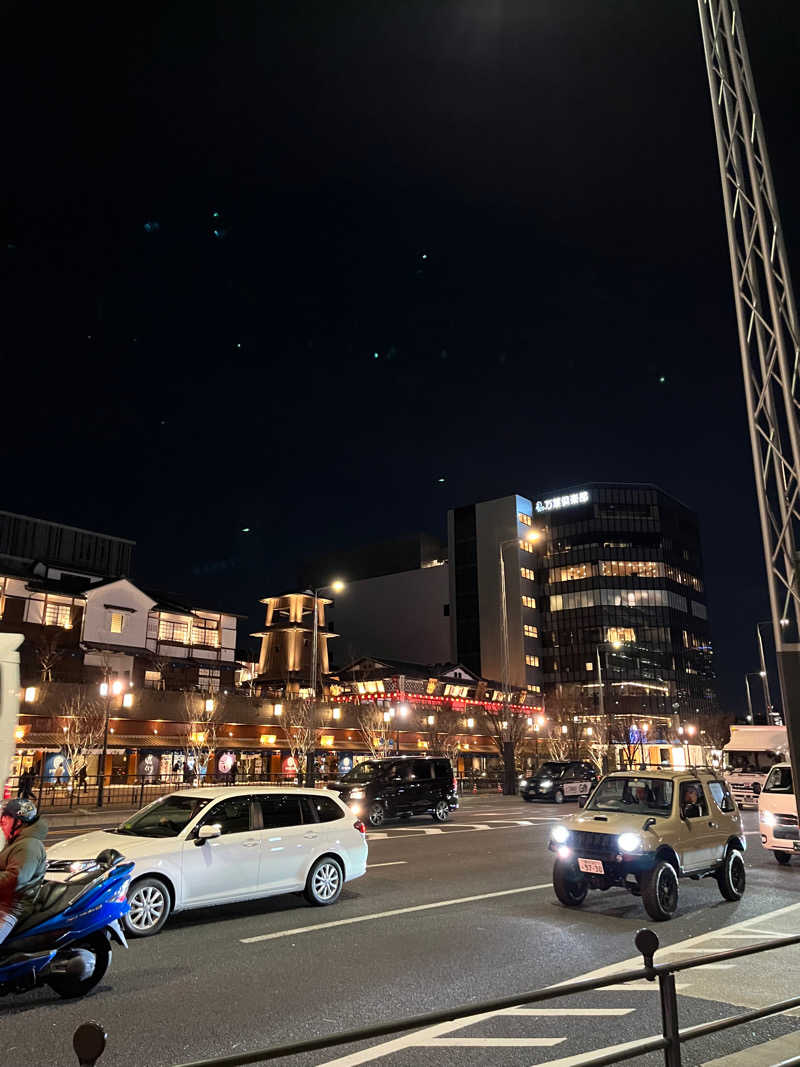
(445, 916)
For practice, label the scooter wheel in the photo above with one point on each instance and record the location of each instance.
(73, 988)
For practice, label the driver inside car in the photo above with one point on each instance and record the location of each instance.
(691, 804)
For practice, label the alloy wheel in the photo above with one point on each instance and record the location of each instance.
(326, 881)
(147, 906)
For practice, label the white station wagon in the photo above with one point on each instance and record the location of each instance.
(198, 847)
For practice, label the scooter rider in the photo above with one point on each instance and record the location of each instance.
(22, 862)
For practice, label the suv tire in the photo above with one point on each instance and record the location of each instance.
(441, 811)
(784, 858)
(376, 816)
(569, 885)
(660, 891)
(731, 877)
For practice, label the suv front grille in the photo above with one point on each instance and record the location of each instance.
(586, 841)
(786, 820)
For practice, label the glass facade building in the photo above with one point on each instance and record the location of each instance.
(617, 596)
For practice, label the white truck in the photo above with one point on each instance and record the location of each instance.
(748, 758)
(9, 701)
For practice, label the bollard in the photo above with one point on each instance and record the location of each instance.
(89, 1042)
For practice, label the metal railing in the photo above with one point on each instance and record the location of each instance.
(90, 1038)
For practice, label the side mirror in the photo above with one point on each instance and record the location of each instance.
(581, 802)
(648, 823)
(206, 833)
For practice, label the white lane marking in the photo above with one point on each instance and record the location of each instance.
(389, 863)
(753, 932)
(715, 967)
(642, 986)
(489, 1042)
(394, 911)
(421, 831)
(576, 1061)
(557, 1013)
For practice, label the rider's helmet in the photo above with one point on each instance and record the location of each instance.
(21, 810)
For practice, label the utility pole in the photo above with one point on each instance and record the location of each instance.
(766, 317)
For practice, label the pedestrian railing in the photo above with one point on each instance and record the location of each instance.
(90, 1038)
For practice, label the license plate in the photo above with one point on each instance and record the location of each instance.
(590, 866)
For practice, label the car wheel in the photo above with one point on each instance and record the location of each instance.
(731, 878)
(150, 907)
(660, 891)
(569, 885)
(377, 814)
(324, 882)
(558, 797)
(784, 858)
(441, 812)
(70, 988)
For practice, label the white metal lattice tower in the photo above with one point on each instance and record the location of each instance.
(766, 317)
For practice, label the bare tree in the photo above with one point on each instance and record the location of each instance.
(374, 729)
(441, 729)
(82, 730)
(199, 729)
(507, 726)
(302, 727)
(159, 663)
(49, 649)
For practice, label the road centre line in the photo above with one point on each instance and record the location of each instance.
(557, 1013)
(402, 832)
(388, 863)
(489, 1042)
(394, 911)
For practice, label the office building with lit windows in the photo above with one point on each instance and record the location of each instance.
(611, 592)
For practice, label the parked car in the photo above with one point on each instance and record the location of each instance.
(218, 845)
(403, 786)
(777, 815)
(643, 831)
(559, 780)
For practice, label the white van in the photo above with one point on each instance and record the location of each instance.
(777, 814)
(748, 758)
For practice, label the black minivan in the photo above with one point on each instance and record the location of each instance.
(379, 789)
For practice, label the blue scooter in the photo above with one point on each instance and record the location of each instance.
(66, 942)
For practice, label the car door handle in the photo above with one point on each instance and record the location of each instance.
(310, 835)
(249, 844)
(714, 825)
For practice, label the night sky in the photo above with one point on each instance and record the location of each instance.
(459, 239)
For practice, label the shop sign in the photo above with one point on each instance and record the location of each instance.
(555, 503)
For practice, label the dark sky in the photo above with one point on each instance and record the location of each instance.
(515, 203)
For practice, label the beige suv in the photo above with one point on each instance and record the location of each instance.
(644, 830)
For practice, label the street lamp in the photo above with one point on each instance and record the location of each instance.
(747, 677)
(531, 537)
(763, 672)
(337, 587)
(107, 689)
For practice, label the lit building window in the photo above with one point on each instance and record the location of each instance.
(589, 665)
(534, 689)
(526, 546)
(529, 601)
(117, 622)
(530, 631)
(176, 632)
(531, 660)
(524, 519)
(620, 634)
(526, 572)
(58, 615)
(205, 632)
(208, 678)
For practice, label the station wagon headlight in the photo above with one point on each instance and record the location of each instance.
(357, 794)
(560, 834)
(768, 818)
(629, 842)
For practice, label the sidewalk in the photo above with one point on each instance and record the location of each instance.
(85, 818)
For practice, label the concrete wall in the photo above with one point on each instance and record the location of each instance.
(399, 616)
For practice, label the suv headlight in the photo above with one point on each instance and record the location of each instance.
(629, 843)
(560, 834)
(357, 794)
(768, 818)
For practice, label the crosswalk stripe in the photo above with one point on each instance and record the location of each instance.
(488, 1042)
(557, 1013)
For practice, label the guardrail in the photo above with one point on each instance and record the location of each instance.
(90, 1038)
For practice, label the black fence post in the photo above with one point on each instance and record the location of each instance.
(141, 792)
(669, 1020)
(89, 1042)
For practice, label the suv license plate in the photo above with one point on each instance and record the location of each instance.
(591, 866)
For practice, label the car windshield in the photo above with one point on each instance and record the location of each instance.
(165, 817)
(552, 770)
(634, 795)
(749, 762)
(363, 772)
(779, 781)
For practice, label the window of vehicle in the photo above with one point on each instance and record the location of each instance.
(399, 772)
(636, 795)
(165, 817)
(722, 797)
(362, 772)
(232, 815)
(693, 801)
(326, 809)
(749, 762)
(552, 770)
(422, 769)
(779, 781)
(442, 769)
(280, 809)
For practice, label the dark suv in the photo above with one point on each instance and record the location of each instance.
(560, 780)
(379, 789)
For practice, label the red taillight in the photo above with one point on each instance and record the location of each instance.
(358, 824)
(7, 792)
